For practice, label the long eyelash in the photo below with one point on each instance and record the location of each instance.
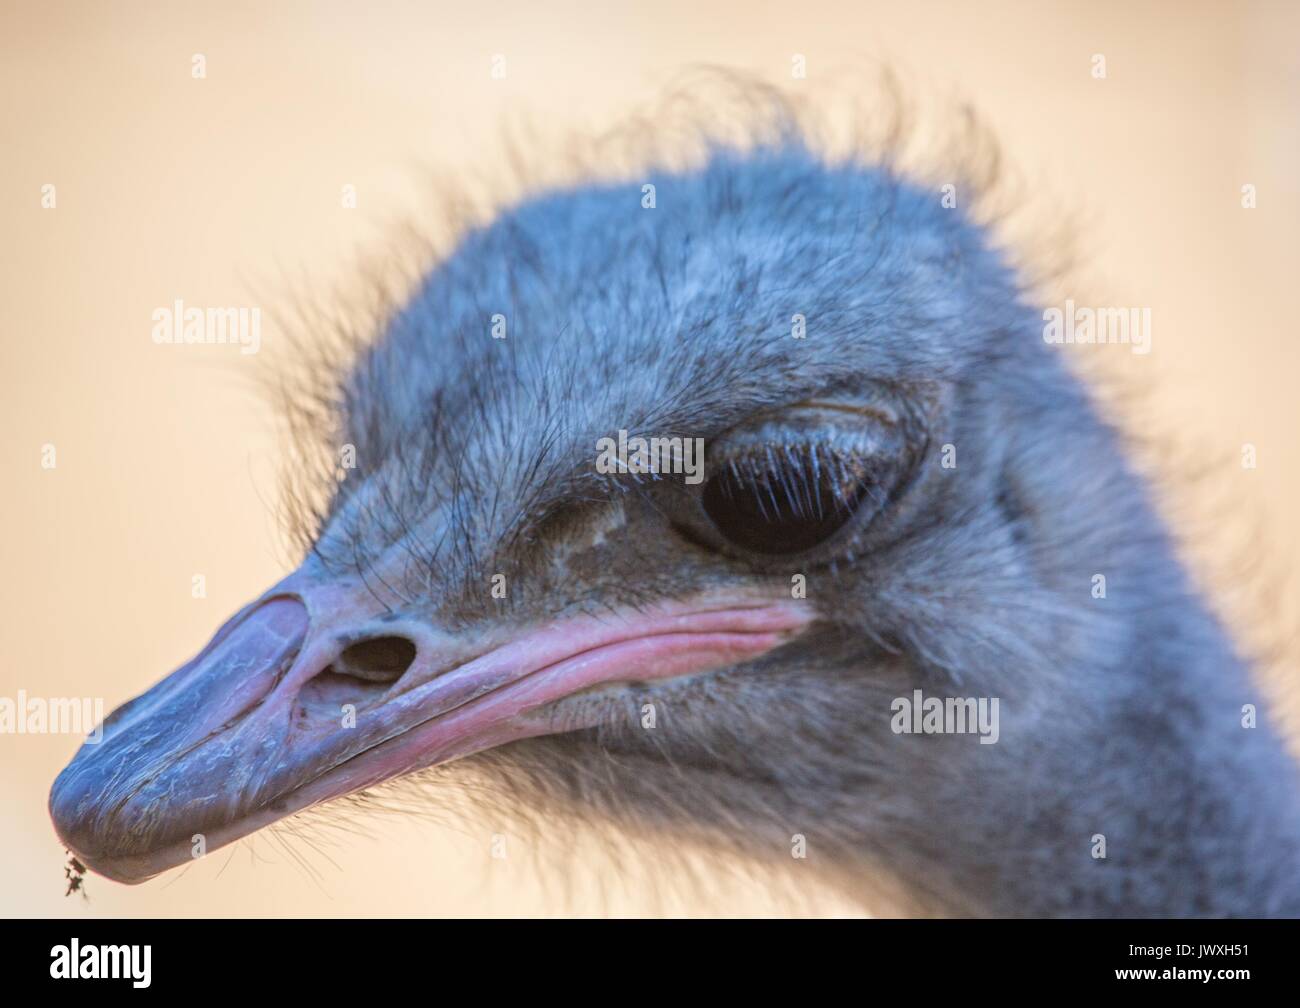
(799, 473)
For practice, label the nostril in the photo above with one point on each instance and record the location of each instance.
(359, 676)
(377, 660)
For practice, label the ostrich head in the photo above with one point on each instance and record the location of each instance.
(902, 489)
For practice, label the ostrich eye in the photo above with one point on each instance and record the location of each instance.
(808, 480)
(783, 501)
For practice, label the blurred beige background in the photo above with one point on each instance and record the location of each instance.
(214, 190)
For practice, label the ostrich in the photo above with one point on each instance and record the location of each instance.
(905, 488)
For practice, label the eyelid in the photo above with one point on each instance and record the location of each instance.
(873, 431)
(876, 412)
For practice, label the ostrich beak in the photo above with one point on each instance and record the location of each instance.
(277, 714)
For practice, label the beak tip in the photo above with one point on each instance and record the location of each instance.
(67, 805)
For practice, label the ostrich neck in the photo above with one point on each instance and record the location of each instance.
(1167, 805)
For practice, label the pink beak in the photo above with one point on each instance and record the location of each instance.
(274, 716)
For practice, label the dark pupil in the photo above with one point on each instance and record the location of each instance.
(781, 510)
